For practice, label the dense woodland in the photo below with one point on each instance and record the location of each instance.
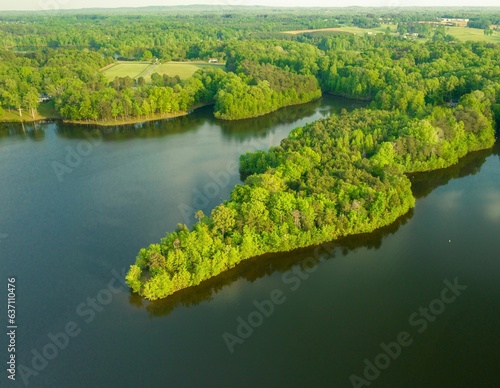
(338, 176)
(59, 54)
(431, 101)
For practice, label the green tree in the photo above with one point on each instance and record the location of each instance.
(199, 215)
(30, 101)
(147, 55)
(223, 219)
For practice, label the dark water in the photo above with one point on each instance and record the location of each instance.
(66, 229)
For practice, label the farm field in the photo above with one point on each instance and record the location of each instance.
(474, 34)
(461, 33)
(351, 29)
(376, 30)
(183, 69)
(122, 69)
(137, 69)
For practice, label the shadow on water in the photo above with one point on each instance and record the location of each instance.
(145, 130)
(263, 125)
(233, 130)
(33, 130)
(239, 130)
(424, 183)
(265, 265)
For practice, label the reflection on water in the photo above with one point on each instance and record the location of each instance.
(423, 183)
(34, 130)
(238, 130)
(258, 267)
(149, 129)
(65, 237)
(255, 268)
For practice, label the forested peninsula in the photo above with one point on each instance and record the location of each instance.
(432, 98)
(431, 103)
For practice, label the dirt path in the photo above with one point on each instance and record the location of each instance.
(148, 70)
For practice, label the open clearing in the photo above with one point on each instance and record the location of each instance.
(461, 33)
(183, 69)
(122, 69)
(296, 32)
(351, 29)
(474, 34)
(137, 69)
(45, 110)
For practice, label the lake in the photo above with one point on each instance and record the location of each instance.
(415, 304)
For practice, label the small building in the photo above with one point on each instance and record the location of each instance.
(44, 97)
(454, 20)
(213, 60)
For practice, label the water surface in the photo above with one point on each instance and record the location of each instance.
(65, 235)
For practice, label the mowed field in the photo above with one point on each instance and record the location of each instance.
(351, 29)
(461, 33)
(144, 69)
(474, 34)
(122, 69)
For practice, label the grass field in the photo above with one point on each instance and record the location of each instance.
(461, 33)
(144, 69)
(474, 34)
(377, 30)
(122, 69)
(352, 30)
(45, 111)
(184, 69)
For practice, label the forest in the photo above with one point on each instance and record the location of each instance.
(432, 100)
(336, 177)
(431, 104)
(60, 56)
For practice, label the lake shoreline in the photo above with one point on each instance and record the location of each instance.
(112, 123)
(157, 117)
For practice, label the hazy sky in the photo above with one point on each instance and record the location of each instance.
(64, 4)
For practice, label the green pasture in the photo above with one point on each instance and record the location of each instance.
(144, 69)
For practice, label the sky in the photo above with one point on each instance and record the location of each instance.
(41, 5)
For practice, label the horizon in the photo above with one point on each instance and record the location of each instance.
(102, 5)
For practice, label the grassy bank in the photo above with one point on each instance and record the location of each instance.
(45, 111)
